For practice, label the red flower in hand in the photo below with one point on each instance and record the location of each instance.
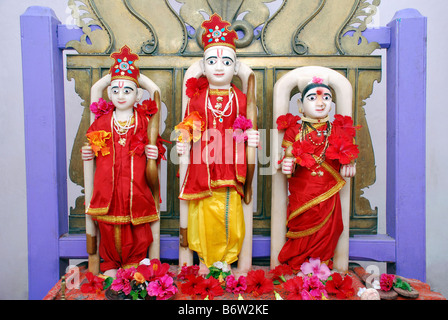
(342, 149)
(147, 108)
(210, 287)
(295, 288)
(94, 284)
(257, 283)
(342, 288)
(303, 152)
(195, 85)
(287, 120)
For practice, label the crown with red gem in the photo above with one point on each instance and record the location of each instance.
(124, 66)
(216, 33)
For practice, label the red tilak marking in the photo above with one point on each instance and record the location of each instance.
(120, 84)
(319, 92)
(219, 52)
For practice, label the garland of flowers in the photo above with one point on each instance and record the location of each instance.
(152, 279)
(339, 144)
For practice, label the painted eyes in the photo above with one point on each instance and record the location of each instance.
(313, 97)
(226, 62)
(125, 91)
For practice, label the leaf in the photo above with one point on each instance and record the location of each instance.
(134, 295)
(143, 294)
(402, 285)
(108, 282)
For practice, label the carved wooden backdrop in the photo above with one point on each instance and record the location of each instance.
(274, 37)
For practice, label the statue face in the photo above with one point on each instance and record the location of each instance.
(220, 66)
(317, 103)
(123, 94)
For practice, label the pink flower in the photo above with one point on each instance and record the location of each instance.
(123, 280)
(318, 80)
(314, 289)
(162, 288)
(236, 286)
(314, 267)
(387, 281)
(240, 125)
(101, 107)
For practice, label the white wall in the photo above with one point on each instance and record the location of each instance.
(13, 233)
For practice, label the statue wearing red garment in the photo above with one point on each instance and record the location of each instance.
(214, 132)
(124, 202)
(319, 153)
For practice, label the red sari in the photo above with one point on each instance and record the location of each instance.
(122, 202)
(314, 218)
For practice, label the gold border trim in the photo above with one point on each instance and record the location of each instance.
(97, 211)
(127, 219)
(310, 231)
(324, 196)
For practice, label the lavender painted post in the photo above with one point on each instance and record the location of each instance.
(46, 171)
(406, 114)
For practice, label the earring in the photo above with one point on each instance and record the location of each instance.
(300, 110)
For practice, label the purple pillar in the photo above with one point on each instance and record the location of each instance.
(46, 169)
(406, 114)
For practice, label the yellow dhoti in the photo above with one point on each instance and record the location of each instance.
(216, 226)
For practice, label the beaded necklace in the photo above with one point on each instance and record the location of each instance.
(307, 129)
(122, 129)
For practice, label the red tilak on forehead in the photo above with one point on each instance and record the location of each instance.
(319, 92)
(219, 52)
(120, 84)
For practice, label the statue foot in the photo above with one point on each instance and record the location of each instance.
(240, 272)
(203, 270)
